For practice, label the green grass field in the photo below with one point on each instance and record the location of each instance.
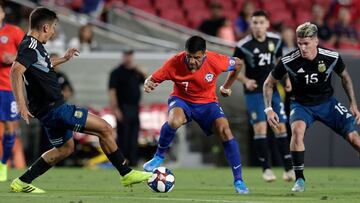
(192, 185)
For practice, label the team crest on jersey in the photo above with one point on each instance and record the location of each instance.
(253, 115)
(321, 67)
(232, 62)
(209, 77)
(78, 114)
(4, 39)
(271, 46)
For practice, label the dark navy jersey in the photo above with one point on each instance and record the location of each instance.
(259, 57)
(310, 80)
(42, 87)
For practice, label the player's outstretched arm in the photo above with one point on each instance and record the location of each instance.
(69, 54)
(150, 85)
(16, 76)
(272, 117)
(225, 89)
(349, 89)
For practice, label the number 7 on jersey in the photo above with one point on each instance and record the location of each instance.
(186, 84)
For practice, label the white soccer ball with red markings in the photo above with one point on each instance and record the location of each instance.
(162, 180)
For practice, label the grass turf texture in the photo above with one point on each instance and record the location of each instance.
(74, 185)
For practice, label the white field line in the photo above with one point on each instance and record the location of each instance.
(44, 196)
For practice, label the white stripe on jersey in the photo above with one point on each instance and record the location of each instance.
(326, 52)
(273, 35)
(244, 40)
(291, 57)
(33, 43)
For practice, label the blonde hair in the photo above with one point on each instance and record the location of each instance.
(306, 30)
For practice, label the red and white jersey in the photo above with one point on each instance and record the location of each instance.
(10, 38)
(198, 87)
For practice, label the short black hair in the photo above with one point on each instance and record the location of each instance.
(2, 5)
(41, 15)
(195, 44)
(260, 13)
(128, 52)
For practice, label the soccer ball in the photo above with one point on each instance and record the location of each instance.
(162, 180)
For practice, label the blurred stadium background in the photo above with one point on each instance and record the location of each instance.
(157, 29)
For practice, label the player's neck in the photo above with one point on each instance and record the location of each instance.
(37, 35)
(260, 38)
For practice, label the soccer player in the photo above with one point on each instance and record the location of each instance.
(260, 51)
(34, 68)
(194, 73)
(10, 38)
(310, 68)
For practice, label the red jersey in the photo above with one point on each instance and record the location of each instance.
(10, 38)
(198, 87)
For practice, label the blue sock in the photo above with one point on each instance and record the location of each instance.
(8, 143)
(232, 154)
(167, 135)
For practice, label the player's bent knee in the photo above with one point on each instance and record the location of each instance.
(175, 123)
(106, 130)
(224, 132)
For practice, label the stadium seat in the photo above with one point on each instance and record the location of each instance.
(302, 16)
(349, 46)
(174, 15)
(275, 5)
(285, 17)
(162, 4)
(139, 3)
(193, 6)
(195, 18)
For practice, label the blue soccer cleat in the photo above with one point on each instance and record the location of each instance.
(240, 187)
(299, 185)
(153, 163)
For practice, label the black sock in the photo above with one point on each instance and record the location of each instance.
(284, 149)
(298, 162)
(39, 167)
(118, 160)
(261, 147)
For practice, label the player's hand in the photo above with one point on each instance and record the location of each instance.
(354, 110)
(24, 113)
(70, 53)
(272, 119)
(149, 85)
(251, 84)
(225, 92)
(8, 58)
(118, 114)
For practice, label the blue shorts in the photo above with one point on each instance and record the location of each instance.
(255, 107)
(60, 122)
(203, 114)
(8, 107)
(332, 113)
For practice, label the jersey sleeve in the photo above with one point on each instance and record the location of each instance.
(113, 81)
(239, 53)
(339, 66)
(278, 51)
(163, 73)
(223, 63)
(26, 57)
(279, 71)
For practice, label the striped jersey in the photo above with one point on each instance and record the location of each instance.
(42, 87)
(310, 80)
(259, 57)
